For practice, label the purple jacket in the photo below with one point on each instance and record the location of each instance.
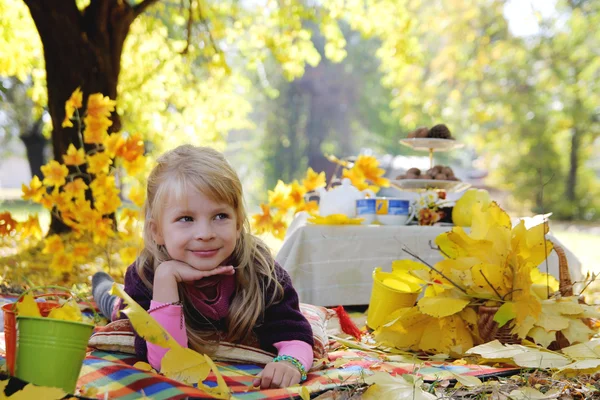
(281, 322)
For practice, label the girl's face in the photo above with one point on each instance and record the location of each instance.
(197, 231)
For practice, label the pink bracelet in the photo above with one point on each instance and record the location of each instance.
(175, 303)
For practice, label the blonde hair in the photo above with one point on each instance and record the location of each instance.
(206, 170)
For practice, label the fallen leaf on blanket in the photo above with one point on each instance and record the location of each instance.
(334, 219)
(304, 393)
(184, 365)
(467, 380)
(30, 391)
(144, 366)
(387, 387)
(529, 393)
(221, 391)
(144, 324)
(27, 307)
(67, 312)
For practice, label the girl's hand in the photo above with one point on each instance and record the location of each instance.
(183, 272)
(169, 273)
(277, 375)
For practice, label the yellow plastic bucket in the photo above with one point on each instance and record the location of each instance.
(385, 299)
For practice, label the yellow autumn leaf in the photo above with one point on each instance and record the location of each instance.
(535, 358)
(580, 367)
(334, 219)
(446, 335)
(67, 312)
(144, 366)
(143, 323)
(438, 306)
(541, 336)
(467, 380)
(221, 391)
(581, 351)
(387, 387)
(495, 350)
(577, 332)
(27, 307)
(184, 365)
(31, 391)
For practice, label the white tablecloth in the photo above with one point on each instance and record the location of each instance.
(332, 265)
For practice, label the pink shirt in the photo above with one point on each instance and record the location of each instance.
(171, 318)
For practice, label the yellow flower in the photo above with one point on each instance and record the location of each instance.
(262, 222)
(74, 102)
(136, 166)
(54, 173)
(113, 144)
(279, 227)
(132, 149)
(100, 106)
(7, 223)
(62, 263)
(103, 184)
(31, 227)
(369, 168)
(104, 230)
(47, 202)
(81, 251)
(74, 156)
(280, 196)
(128, 254)
(60, 200)
(313, 180)
(336, 160)
(137, 195)
(75, 188)
(95, 131)
(99, 163)
(35, 191)
(107, 204)
(311, 207)
(358, 179)
(297, 192)
(53, 244)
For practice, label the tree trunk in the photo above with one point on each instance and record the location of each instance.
(35, 144)
(81, 49)
(571, 185)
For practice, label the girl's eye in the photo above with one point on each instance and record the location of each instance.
(221, 216)
(186, 219)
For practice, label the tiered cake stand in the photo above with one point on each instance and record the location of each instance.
(420, 185)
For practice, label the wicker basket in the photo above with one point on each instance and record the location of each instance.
(488, 328)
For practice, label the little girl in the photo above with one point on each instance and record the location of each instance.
(204, 277)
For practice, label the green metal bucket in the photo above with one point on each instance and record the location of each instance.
(50, 352)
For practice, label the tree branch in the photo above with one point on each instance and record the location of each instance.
(141, 7)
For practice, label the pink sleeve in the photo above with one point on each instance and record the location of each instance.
(298, 349)
(170, 318)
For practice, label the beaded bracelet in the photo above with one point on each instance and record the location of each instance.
(295, 363)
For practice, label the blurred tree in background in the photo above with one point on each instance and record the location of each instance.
(196, 70)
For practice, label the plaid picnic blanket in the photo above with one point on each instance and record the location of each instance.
(112, 375)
